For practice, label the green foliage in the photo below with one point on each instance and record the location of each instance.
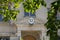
(8, 9)
(53, 24)
(33, 5)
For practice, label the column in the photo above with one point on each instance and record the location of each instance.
(42, 34)
(19, 35)
(19, 32)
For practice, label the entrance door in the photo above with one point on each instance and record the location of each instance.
(29, 37)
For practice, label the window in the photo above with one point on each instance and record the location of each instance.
(58, 16)
(26, 14)
(29, 14)
(0, 17)
(32, 14)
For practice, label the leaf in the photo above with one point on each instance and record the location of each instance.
(27, 10)
(31, 5)
(38, 6)
(33, 11)
(55, 3)
(16, 5)
(4, 15)
(12, 18)
(52, 7)
(43, 3)
(52, 10)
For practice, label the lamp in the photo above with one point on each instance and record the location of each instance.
(31, 20)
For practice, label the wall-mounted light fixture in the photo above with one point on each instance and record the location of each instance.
(31, 20)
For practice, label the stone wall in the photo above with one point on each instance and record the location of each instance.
(6, 29)
(41, 13)
(14, 38)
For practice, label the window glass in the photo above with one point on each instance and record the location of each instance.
(29, 14)
(0, 17)
(32, 14)
(26, 14)
(58, 16)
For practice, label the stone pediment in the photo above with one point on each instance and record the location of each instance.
(25, 21)
(24, 25)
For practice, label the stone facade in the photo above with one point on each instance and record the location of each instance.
(21, 28)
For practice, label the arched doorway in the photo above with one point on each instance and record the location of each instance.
(29, 37)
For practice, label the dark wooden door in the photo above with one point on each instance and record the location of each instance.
(29, 37)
